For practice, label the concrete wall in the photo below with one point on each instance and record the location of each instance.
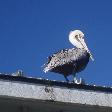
(17, 96)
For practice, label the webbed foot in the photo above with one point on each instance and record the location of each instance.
(79, 81)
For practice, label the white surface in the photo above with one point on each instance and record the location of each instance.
(61, 94)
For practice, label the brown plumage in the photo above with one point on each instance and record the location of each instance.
(67, 61)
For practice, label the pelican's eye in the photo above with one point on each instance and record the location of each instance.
(76, 36)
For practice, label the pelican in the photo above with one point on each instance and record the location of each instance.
(70, 61)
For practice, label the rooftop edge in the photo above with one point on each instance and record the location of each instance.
(55, 83)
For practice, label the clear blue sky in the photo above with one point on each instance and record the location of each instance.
(31, 30)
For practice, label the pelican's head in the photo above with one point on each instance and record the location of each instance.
(76, 37)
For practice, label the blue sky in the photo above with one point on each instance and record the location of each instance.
(31, 30)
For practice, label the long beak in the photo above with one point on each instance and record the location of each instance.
(91, 56)
(85, 46)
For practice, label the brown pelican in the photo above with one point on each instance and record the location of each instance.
(70, 61)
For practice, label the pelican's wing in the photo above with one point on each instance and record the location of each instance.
(67, 61)
(60, 58)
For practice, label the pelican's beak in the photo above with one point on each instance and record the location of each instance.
(86, 48)
(91, 56)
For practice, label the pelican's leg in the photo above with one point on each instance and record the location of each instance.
(66, 78)
(74, 76)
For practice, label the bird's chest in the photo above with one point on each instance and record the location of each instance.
(81, 60)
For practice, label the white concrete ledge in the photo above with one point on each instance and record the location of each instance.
(44, 92)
